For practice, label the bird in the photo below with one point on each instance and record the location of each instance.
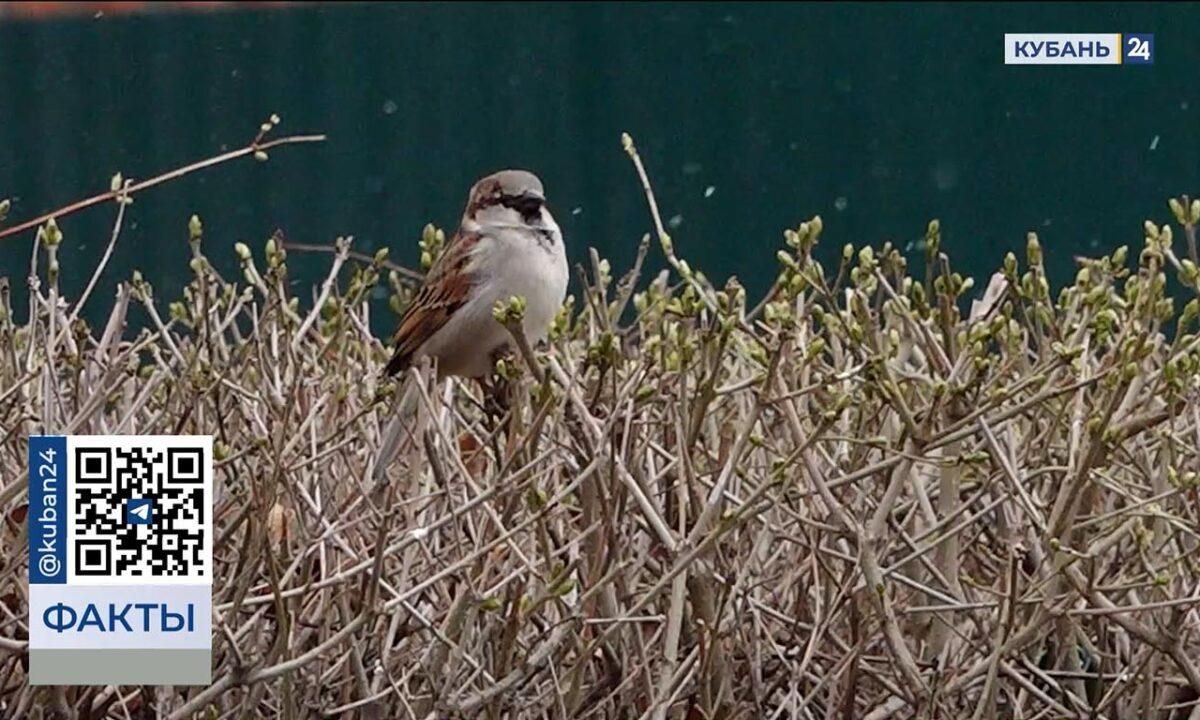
(507, 244)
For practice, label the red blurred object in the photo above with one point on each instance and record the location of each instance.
(49, 10)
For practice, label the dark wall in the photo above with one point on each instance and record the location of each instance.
(877, 117)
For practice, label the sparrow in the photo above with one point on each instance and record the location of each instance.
(507, 244)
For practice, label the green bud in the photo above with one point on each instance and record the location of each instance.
(1187, 271)
(1044, 315)
(500, 312)
(856, 332)
(195, 228)
(1133, 287)
(51, 236)
(1164, 309)
(516, 306)
(1010, 265)
(918, 294)
(1178, 211)
(1120, 256)
(1151, 230)
(640, 303)
(1190, 312)
(242, 250)
(1033, 249)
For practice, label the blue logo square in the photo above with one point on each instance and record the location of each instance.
(139, 511)
(1137, 48)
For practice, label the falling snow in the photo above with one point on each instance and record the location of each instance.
(945, 176)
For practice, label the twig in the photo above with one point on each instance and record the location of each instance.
(135, 188)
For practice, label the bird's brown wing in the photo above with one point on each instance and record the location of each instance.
(446, 289)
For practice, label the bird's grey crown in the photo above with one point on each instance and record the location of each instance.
(515, 183)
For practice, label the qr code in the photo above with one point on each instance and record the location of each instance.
(140, 508)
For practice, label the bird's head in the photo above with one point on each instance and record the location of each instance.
(508, 198)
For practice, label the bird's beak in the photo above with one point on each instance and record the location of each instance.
(533, 195)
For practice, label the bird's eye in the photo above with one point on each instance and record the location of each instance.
(528, 205)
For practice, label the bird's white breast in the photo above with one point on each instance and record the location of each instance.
(517, 263)
(508, 260)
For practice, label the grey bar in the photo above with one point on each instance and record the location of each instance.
(120, 666)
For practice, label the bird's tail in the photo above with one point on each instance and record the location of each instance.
(394, 433)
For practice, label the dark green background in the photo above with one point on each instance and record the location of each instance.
(877, 117)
